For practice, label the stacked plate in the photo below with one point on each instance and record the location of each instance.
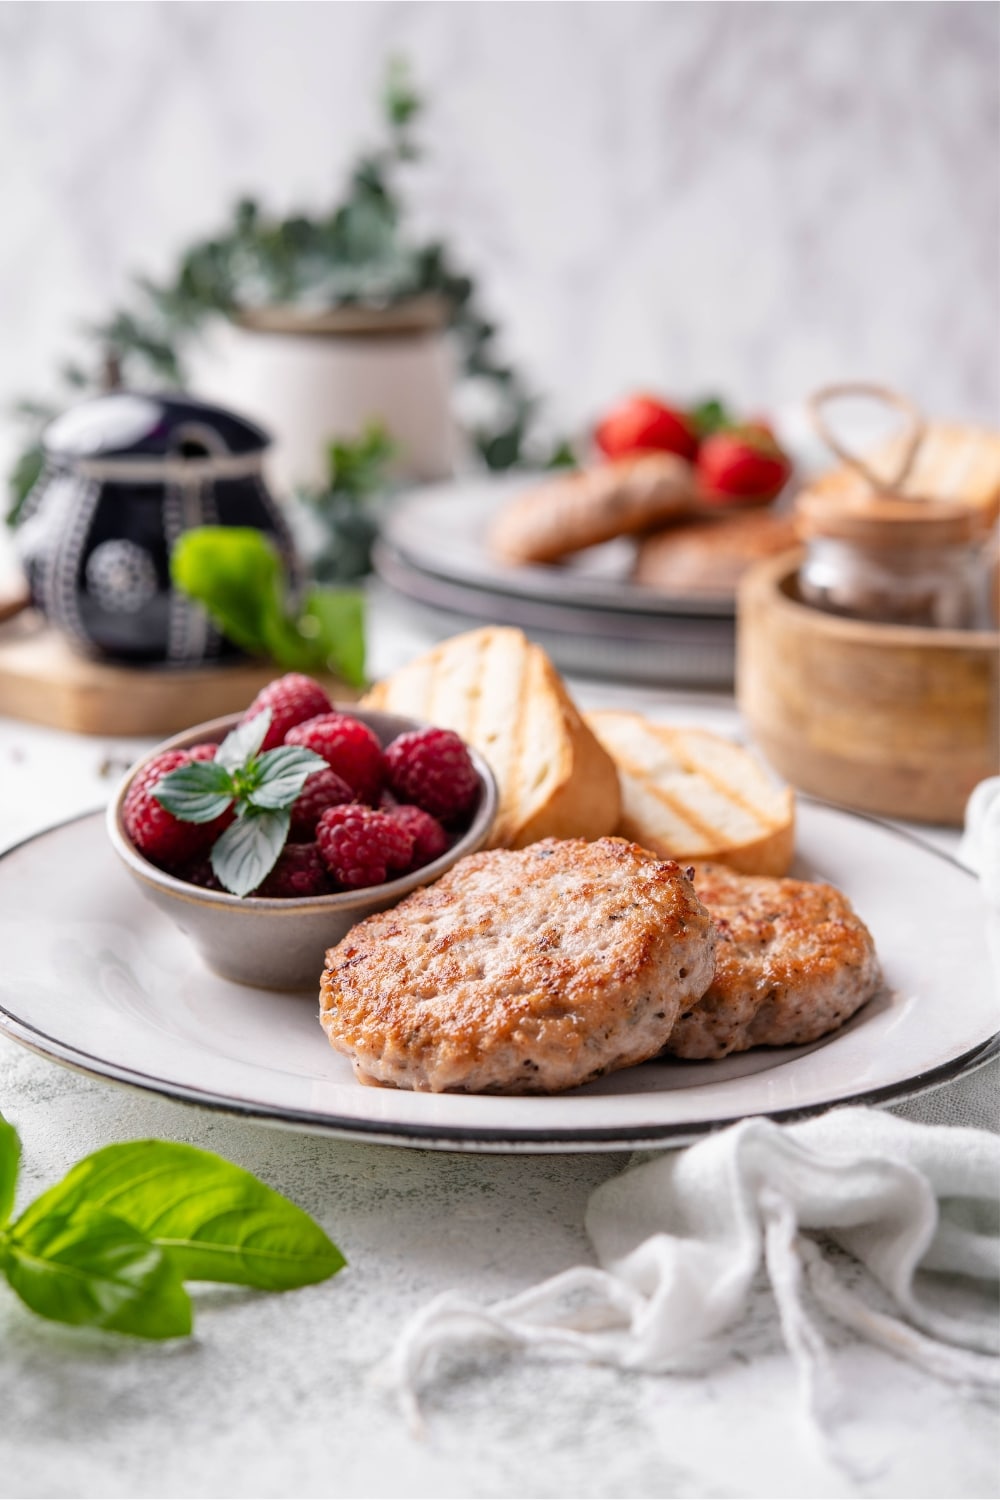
(586, 614)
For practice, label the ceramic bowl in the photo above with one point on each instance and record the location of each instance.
(280, 944)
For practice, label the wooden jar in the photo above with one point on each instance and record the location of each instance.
(893, 719)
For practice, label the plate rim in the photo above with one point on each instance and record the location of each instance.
(530, 581)
(470, 1138)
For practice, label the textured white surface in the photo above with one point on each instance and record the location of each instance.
(752, 198)
(277, 1396)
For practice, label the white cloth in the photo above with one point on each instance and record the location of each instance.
(680, 1238)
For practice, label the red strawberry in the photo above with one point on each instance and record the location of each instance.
(292, 699)
(742, 465)
(642, 423)
(349, 747)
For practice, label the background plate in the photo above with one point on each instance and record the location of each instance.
(96, 978)
(441, 530)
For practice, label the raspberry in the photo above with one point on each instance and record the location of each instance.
(201, 873)
(157, 834)
(348, 747)
(429, 838)
(361, 846)
(292, 699)
(299, 871)
(323, 789)
(432, 768)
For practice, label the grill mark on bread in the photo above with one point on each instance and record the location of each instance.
(500, 692)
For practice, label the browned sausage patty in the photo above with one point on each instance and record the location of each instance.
(793, 962)
(521, 971)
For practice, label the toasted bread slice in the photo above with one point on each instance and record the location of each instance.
(692, 795)
(502, 694)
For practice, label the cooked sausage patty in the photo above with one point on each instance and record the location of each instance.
(793, 962)
(521, 971)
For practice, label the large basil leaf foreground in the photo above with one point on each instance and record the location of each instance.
(86, 1266)
(214, 1221)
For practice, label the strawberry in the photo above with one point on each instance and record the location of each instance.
(641, 423)
(741, 465)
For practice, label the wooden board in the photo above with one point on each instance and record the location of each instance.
(43, 680)
(890, 719)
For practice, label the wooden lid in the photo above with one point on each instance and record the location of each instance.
(881, 520)
(413, 315)
(930, 485)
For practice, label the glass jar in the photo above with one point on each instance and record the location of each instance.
(895, 560)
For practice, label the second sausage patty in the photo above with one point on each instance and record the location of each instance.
(794, 962)
(521, 971)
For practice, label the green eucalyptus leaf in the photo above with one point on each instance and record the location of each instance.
(216, 1221)
(195, 793)
(282, 773)
(10, 1157)
(249, 849)
(88, 1266)
(243, 742)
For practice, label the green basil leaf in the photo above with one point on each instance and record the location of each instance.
(88, 1266)
(282, 773)
(249, 849)
(10, 1156)
(196, 793)
(334, 621)
(243, 742)
(216, 1221)
(237, 574)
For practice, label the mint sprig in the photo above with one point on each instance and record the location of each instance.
(259, 786)
(111, 1245)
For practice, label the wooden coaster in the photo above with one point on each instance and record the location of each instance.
(44, 681)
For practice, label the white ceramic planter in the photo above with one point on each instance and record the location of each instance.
(308, 379)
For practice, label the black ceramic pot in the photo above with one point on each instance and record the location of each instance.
(125, 475)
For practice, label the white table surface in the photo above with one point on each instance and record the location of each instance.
(278, 1395)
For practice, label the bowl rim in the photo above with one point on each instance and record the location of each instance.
(143, 869)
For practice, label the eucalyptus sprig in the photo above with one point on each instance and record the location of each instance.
(259, 787)
(357, 252)
(112, 1244)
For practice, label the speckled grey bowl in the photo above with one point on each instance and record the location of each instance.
(274, 944)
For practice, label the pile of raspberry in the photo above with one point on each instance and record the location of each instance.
(371, 815)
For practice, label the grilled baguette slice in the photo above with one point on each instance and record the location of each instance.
(502, 694)
(688, 794)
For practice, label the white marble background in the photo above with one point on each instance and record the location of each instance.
(746, 197)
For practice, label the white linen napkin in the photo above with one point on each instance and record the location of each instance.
(680, 1237)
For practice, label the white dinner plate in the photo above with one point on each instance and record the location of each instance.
(95, 978)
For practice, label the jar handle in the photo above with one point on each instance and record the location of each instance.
(913, 432)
